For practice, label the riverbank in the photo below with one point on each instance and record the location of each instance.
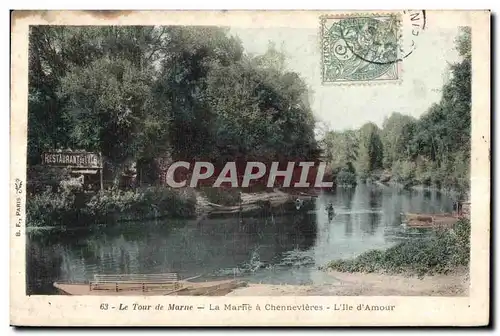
(252, 204)
(441, 252)
(67, 208)
(388, 179)
(435, 266)
(346, 284)
(370, 284)
(278, 248)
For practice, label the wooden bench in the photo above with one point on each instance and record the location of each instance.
(122, 281)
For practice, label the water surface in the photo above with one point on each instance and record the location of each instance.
(285, 249)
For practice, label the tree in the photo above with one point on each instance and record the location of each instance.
(136, 93)
(394, 136)
(182, 83)
(439, 142)
(51, 51)
(229, 105)
(433, 149)
(57, 54)
(107, 102)
(370, 152)
(342, 149)
(443, 134)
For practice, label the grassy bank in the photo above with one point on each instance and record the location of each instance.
(68, 208)
(441, 252)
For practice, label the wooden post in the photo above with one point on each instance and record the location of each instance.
(101, 171)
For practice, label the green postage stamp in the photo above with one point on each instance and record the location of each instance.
(360, 48)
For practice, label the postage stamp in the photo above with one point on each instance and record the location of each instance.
(193, 168)
(360, 48)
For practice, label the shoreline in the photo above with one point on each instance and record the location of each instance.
(451, 192)
(252, 203)
(370, 284)
(453, 284)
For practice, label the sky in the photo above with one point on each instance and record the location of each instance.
(349, 107)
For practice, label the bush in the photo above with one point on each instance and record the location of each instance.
(50, 209)
(404, 172)
(41, 178)
(442, 252)
(346, 178)
(424, 172)
(67, 208)
(142, 203)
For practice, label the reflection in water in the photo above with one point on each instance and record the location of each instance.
(272, 249)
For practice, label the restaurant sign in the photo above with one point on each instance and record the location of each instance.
(72, 159)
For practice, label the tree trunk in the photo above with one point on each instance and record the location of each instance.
(117, 175)
(119, 171)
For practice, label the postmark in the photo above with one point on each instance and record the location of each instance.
(360, 48)
(413, 26)
(368, 48)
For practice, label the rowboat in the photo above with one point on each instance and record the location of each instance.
(147, 285)
(418, 220)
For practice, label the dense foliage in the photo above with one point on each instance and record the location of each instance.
(433, 150)
(442, 252)
(67, 208)
(136, 93)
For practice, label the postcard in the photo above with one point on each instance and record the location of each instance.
(250, 168)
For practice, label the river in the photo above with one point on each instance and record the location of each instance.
(286, 249)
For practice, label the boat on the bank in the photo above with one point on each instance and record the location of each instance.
(148, 285)
(255, 204)
(428, 221)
